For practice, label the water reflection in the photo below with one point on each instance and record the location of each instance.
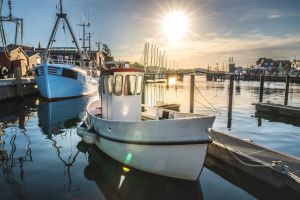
(12, 162)
(276, 118)
(59, 115)
(58, 120)
(67, 155)
(119, 182)
(19, 112)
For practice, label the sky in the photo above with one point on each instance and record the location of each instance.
(217, 29)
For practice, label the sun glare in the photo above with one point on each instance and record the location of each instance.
(175, 25)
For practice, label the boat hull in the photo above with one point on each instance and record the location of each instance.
(171, 147)
(53, 85)
(177, 161)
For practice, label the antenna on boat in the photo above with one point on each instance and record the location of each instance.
(62, 16)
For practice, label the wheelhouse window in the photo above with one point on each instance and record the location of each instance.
(118, 85)
(130, 84)
(139, 85)
(110, 84)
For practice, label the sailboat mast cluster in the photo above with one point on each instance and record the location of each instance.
(156, 58)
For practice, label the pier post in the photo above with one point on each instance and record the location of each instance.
(168, 80)
(192, 93)
(143, 93)
(17, 75)
(261, 88)
(287, 88)
(231, 81)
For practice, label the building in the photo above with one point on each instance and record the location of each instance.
(270, 66)
(34, 58)
(296, 64)
(12, 58)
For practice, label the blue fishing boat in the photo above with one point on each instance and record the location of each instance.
(63, 76)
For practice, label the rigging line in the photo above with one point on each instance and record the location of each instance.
(206, 99)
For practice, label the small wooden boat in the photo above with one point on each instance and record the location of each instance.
(152, 139)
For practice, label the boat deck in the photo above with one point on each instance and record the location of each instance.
(278, 169)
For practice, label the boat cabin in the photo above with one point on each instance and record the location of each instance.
(121, 94)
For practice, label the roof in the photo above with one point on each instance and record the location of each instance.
(8, 48)
(31, 53)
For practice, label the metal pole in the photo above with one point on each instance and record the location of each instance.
(287, 87)
(230, 101)
(261, 88)
(192, 93)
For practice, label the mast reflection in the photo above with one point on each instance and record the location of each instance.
(58, 120)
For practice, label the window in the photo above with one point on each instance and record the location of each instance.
(129, 87)
(139, 85)
(110, 84)
(118, 85)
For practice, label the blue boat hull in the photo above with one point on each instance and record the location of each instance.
(62, 81)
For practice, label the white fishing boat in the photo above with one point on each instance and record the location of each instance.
(150, 139)
(63, 77)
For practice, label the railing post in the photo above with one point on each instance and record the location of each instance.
(261, 88)
(287, 88)
(192, 93)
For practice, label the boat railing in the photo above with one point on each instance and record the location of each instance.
(161, 113)
(62, 61)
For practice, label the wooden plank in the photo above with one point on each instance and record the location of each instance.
(256, 161)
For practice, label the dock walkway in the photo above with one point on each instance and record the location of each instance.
(13, 88)
(272, 167)
(277, 109)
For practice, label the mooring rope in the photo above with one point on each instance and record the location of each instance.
(215, 110)
(204, 105)
(244, 163)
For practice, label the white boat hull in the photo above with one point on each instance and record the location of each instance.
(52, 85)
(171, 147)
(177, 161)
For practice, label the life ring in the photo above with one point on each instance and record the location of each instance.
(4, 72)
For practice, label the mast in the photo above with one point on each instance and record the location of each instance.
(61, 16)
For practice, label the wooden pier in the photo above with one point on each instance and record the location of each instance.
(16, 87)
(278, 110)
(278, 170)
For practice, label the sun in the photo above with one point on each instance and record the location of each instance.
(175, 25)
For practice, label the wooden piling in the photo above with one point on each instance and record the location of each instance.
(143, 94)
(230, 101)
(261, 88)
(168, 80)
(287, 87)
(192, 93)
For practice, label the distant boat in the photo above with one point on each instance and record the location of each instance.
(152, 139)
(64, 77)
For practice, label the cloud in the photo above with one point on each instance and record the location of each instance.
(261, 14)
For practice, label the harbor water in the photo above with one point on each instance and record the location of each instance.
(41, 156)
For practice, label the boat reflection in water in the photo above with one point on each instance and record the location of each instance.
(117, 181)
(58, 122)
(59, 115)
